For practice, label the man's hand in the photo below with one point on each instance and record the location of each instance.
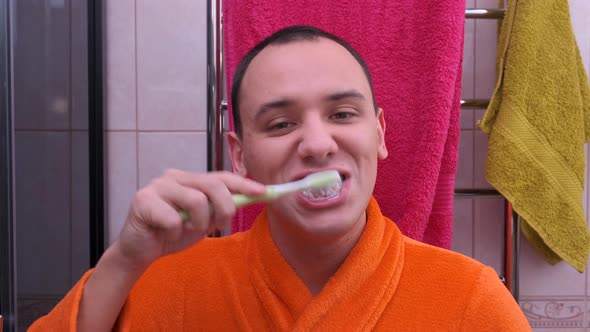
(154, 228)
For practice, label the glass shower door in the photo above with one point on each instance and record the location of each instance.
(45, 245)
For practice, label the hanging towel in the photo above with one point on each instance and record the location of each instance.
(537, 123)
(414, 51)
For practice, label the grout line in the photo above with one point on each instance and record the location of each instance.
(135, 51)
(564, 298)
(475, 25)
(586, 317)
(135, 48)
(51, 130)
(473, 228)
(473, 82)
(157, 131)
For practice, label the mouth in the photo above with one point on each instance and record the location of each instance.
(327, 193)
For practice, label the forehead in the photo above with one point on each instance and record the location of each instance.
(303, 68)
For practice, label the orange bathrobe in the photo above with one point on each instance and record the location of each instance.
(242, 283)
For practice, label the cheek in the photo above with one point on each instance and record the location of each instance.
(261, 157)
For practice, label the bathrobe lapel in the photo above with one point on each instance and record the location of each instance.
(353, 299)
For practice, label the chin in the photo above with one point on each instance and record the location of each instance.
(329, 225)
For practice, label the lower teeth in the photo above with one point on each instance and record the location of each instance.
(325, 193)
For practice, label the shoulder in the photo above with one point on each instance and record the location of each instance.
(469, 290)
(437, 260)
(202, 260)
(448, 270)
(217, 251)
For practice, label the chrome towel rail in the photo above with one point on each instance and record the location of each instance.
(480, 13)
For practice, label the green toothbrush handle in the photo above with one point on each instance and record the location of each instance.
(239, 200)
(243, 200)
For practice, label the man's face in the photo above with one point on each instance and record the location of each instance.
(306, 106)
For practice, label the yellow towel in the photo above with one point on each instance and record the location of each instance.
(538, 122)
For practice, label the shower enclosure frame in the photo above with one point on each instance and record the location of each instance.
(7, 235)
(8, 280)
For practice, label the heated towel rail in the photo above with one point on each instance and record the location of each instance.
(510, 275)
(217, 122)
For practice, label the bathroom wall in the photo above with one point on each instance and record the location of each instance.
(554, 298)
(156, 105)
(156, 65)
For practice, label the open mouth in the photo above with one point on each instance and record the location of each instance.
(330, 192)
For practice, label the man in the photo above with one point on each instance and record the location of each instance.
(303, 102)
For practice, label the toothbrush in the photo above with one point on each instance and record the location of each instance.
(312, 181)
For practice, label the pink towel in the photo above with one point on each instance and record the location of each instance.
(414, 50)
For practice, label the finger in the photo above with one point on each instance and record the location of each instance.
(195, 203)
(218, 186)
(239, 184)
(158, 214)
(234, 182)
(221, 202)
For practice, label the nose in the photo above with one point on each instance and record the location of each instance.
(317, 142)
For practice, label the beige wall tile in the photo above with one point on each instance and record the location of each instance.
(466, 118)
(579, 11)
(172, 65)
(480, 150)
(464, 176)
(121, 182)
(538, 277)
(463, 226)
(485, 58)
(488, 238)
(487, 3)
(554, 313)
(159, 151)
(468, 78)
(120, 65)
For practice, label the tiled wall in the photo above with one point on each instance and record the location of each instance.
(156, 63)
(552, 297)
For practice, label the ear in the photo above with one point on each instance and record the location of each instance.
(236, 154)
(382, 149)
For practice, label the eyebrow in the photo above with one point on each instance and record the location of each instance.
(286, 102)
(345, 95)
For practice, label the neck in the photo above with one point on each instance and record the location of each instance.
(315, 259)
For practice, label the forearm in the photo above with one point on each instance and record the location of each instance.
(106, 291)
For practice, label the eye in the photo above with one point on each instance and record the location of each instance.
(342, 115)
(280, 125)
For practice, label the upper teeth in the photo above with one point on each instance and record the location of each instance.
(324, 193)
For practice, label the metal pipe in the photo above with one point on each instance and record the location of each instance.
(515, 289)
(475, 103)
(481, 13)
(508, 251)
(476, 192)
(214, 88)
